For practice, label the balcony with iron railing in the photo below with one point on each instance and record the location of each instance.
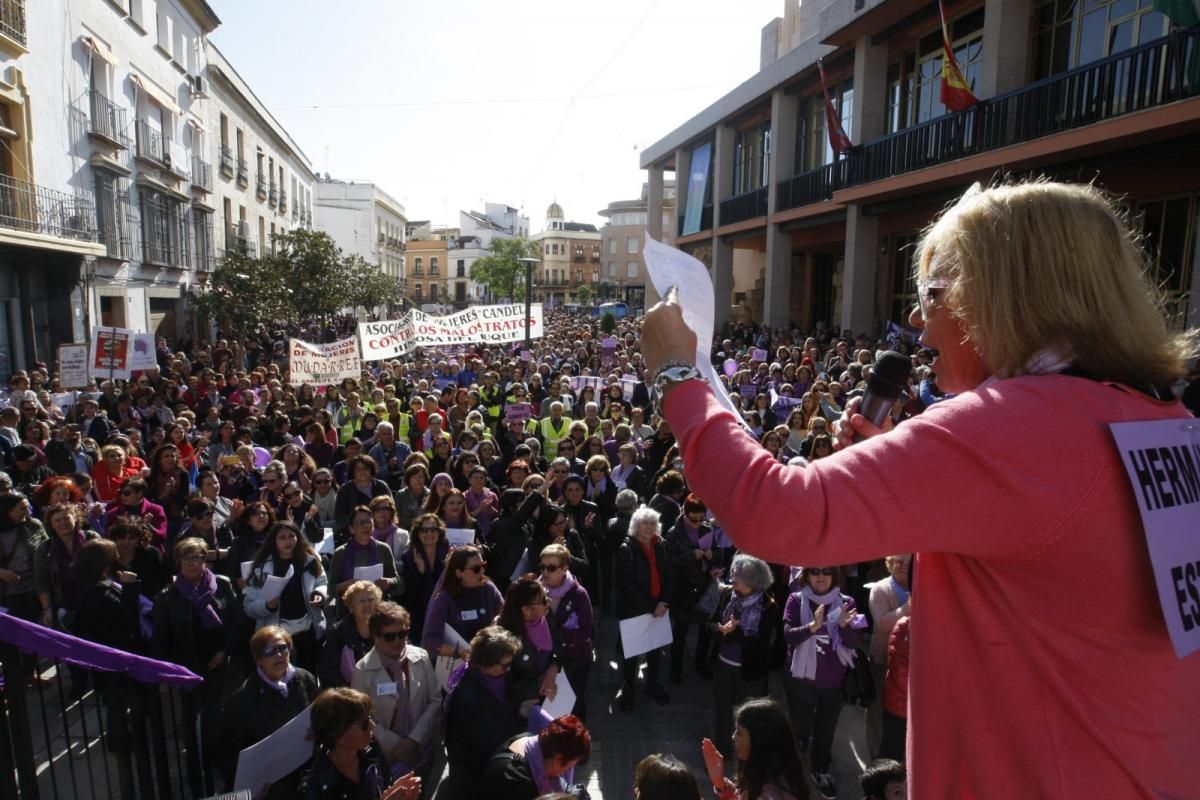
(243, 173)
(260, 186)
(742, 207)
(36, 209)
(226, 156)
(273, 196)
(151, 144)
(12, 20)
(1163, 71)
(706, 216)
(107, 120)
(238, 242)
(283, 203)
(201, 174)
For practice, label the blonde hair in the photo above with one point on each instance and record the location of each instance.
(1039, 264)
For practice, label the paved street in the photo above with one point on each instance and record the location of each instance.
(620, 740)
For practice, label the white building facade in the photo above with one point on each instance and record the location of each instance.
(476, 230)
(363, 220)
(263, 180)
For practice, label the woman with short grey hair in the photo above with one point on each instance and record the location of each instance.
(744, 622)
(646, 584)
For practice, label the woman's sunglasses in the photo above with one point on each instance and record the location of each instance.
(391, 636)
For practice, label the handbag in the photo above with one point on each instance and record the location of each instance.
(706, 604)
(858, 687)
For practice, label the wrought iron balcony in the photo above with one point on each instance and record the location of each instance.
(1154, 74)
(283, 204)
(12, 20)
(706, 215)
(744, 206)
(201, 174)
(37, 209)
(151, 144)
(237, 242)
(243, 173)
(273, 197)
(260, 186)
(226, 153)
(107, 120)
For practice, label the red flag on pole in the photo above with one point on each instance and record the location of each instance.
(956, 94)
(838, 139)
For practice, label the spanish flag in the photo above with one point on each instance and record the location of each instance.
(838, 140)
(956, 95)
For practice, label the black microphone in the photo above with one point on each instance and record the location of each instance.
(884, 387)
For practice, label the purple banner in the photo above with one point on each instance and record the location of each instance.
(49, 643)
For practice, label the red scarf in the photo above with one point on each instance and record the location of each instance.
(655, 585)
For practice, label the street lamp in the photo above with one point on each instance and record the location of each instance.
(528, 262)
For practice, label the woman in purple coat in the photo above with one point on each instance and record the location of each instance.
(822, 631)
(572, 611)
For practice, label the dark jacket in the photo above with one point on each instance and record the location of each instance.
(692, 573)
(254, 712)
(633, 578)
(61, 458)
(508, 776)
(175, 635)
(606, 502)
(636, 481)
(577, 634)
(668, 509)
(756, 650)
(324, 782)
(508, 539)
(108, 615)
(578, 514)
(339, 637)
(349, 496)
(477, 724)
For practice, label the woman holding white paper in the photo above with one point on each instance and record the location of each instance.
(467, 602)
(363, 550)
(646, 577)
(287, 587)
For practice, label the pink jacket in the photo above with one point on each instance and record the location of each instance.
(1040, 665)
(151, 513)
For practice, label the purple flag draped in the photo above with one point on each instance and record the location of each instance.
(48, 643)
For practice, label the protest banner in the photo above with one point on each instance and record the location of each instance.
(518, 412)
(748, 390)
(488, 324)
(579, 381)
(323, 363)
(108, 358)
(141, 353)
(73, 366)
(758, 354)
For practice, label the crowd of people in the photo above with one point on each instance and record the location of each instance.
(421, 554)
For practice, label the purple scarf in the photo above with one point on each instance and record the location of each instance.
(537, 769)
(495, 684)
(353, 549)
(539, 633)
(384, 534)
(201, 598)
(596, 490)
(558, 592)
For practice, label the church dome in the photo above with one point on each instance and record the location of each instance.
(554, 212)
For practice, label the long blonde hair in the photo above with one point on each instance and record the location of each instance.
(1040, 264)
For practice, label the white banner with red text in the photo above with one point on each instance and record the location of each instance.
(487, 324)
(323, 363)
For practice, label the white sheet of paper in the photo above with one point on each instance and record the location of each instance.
(523, 566)
(451, 636)
(273, 587)
(669, 267)
(371, 573)
(246, 566)
(276, 756)
(326, 548)
(564, 699)
(460, 536)
(645, 633)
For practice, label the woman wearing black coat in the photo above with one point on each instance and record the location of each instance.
(480, 716)
(273, 694)
(195, 625)
(646, 579)
(109, 611)
(697, 559)
(509, 535)
(359, 490)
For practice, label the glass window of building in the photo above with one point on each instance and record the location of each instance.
(631, 269)
(1070, 33)
(914, 79)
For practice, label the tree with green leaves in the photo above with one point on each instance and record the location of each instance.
(501, 271)
(242, 292)
(320, 276)
(608, 323)
(583, 295)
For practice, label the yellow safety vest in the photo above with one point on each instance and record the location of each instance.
(491, 401)
(550, 436)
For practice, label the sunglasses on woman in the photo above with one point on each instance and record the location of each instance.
(477, 568)
(391, 636)
(276, 650)
(549, 567)
(815, 571)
